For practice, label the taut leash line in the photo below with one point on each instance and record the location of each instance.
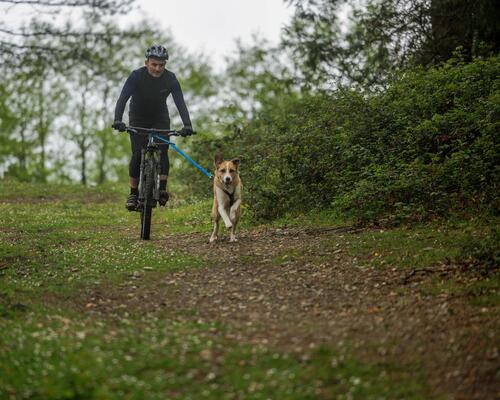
(189, 159)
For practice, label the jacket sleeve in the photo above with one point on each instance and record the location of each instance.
(127, 90)
(180, 104)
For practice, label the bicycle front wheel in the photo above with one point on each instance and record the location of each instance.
(148, 201)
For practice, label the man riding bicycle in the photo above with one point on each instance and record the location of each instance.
(149, 88)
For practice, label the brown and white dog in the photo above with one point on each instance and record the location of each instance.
(227, 196)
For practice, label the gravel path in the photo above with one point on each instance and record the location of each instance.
(295, 290)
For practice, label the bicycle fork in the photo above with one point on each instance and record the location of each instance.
(156, 174)
(141, 179)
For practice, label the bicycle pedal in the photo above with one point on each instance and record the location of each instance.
(131, 207)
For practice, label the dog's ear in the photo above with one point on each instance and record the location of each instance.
(218, 158)
(237, 162)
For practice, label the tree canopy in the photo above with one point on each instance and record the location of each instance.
(391, 97)
(363, 41)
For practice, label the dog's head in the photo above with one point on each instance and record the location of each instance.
(226, 171)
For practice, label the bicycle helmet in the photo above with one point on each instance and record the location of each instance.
(157, 51)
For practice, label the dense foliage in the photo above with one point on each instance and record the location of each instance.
(382, 36)
(424, 147)
(55, 123)
(351, 112)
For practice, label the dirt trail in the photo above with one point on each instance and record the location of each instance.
(296, 289)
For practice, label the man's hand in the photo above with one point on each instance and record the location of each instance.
(186, 131)
(119, 126)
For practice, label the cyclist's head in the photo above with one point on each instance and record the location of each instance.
(156, 58)
(157, 52)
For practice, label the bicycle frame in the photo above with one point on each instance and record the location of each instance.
(149, 190)
(151, 151)
(149, 176)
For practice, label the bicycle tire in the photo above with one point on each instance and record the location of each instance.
(148, 201)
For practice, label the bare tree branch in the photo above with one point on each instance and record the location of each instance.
(101, 4)
(60, 33)
(48, 41)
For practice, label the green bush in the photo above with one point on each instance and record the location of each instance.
(425, 146)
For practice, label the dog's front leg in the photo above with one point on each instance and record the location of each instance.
(232, 211)
(215, 232)
(232, 214)
(222, 210)
(225, 217)
(232, 238)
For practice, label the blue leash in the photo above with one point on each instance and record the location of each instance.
(189, 159)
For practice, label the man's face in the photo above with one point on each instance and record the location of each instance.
(155, 67)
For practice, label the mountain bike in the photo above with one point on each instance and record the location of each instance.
(149, 177)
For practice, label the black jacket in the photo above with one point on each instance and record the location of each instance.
(149, 97)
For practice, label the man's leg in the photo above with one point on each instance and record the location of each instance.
(164, 163)
(137, 142)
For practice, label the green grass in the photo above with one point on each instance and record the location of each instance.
(25, 191)
(415, 246)
(52, 355)
(411, 247)
(482, 293)
(57, 241)
(314, 219)
(434, 246)
(74, 242)
(468, 245)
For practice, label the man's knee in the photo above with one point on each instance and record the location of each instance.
(135, 165)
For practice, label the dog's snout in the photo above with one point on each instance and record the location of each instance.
(227, 179)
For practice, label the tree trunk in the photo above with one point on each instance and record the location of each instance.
(42, 130)
(103, 150)
(83, 164)
(466, 24)
(82, 142)
(22, 153)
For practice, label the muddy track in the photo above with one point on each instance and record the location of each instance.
(295, 290)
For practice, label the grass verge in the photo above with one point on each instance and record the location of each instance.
(59, 240)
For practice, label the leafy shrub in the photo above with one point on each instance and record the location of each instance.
(425, 146)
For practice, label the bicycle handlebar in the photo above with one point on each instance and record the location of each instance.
(139, 130)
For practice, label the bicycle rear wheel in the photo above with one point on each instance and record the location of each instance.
(148, 200)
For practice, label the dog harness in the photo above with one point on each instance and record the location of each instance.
(231, 197)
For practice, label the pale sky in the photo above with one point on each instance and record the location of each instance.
(212, 26)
